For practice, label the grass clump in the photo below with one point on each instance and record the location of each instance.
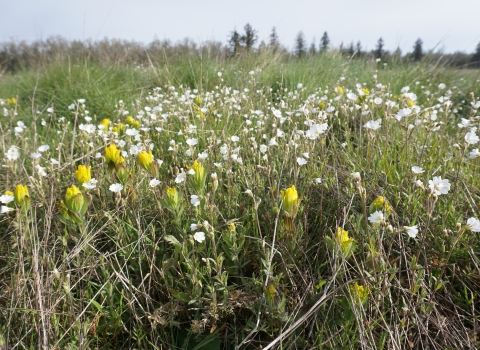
(313, 203)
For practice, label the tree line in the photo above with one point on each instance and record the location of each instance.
(17, 55)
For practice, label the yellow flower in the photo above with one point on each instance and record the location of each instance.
(113, 157)
(83, 174)
(136, 124)
(198, 101)
(145, 159)
(129, 120)
(74, 199)
(11, 101)
(119, 128)
(380, 204)
(366, 91)
(360, 293)
(106, 123)
(321, 105)
(291, 200)
(173, 198)
(22, 197)
(340, 90)
(344, 241)
(199, 176)
(8, 193)
(411, 103)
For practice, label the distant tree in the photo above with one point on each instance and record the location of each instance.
(274, 42)
(250, 37)
(358, 48)
(350, 49)
(313, 49)
(417, 50)
(476, 57)
(235, 42)
(379, 51)
(300, 44)
(324, 42)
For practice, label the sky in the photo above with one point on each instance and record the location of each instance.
(442, 25)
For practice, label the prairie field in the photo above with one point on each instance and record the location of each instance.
(240, 203)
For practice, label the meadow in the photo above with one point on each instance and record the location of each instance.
(240, 203)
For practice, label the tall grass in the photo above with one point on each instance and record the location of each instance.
(220, 252)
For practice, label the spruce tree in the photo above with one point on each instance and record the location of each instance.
(324, 42)
(300, 44)
(235, 42)
(379, 51)
(417, 50)
(250, 37)
(476, 57)
(313, 50)
(274, 42)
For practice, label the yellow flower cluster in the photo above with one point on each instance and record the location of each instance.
(380, 204)
(290, 204)
(83, 174)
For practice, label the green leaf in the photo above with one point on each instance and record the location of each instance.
(172, 240)
(180, 296)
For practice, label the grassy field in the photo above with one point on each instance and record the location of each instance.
(253, 202)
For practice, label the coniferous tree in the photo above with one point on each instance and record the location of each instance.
(358, 49)
(235, 42)
(379, 51)
(351, 50)
(417, 50)
(250, 37)
(476, 57)
(300, 44)
(313, 50)
(324, 42)
(274, 42)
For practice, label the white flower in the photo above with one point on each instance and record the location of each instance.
(272, 142)
(199, 236)
(473, 225)
(135, 150)
(316, 130)
(35, 155)
(474, 153)
(403, 113)
(417, 169)
(351, 96)
(471, 138)
(154, 183)
(6, 198)
(40, 170)
(203, 155)
(43, 148)
(412, 231)
(318, 180)
(192, 142)
(181, 177)
(377, 100)
(373, 124)
(191, 172)
(235, 138)
(442, 86)
(4, 209)
(356, 176)
(54, 161)
(439, 186)
(194, 227)
(12, 153)
(376, 217)
(132, 132)
(194, 200)
(301, 161)
(116, 187)
(465, 123)
(91, 184)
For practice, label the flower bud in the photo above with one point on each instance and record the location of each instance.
(22, 197)
(74, 199)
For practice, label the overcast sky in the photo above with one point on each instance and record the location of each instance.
(441, 24)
